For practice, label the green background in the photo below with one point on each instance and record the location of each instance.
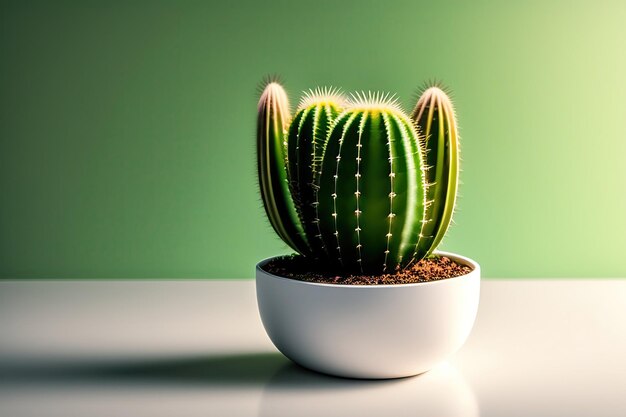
(127, 128)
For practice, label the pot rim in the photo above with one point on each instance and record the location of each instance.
(458, 258)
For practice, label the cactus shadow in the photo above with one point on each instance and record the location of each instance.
(235, 370)
(246, 370)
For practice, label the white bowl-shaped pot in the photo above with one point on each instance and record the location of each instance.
(369, 331)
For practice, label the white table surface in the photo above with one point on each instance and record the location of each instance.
(197, 348)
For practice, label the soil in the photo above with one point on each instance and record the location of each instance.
(433, 268)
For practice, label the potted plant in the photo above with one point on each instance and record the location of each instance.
(363, 193)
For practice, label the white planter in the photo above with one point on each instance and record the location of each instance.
(369, 331)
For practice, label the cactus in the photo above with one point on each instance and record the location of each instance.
(273, 118)
(352, 184)
(372, 188)
(306, 142)
(435, 117)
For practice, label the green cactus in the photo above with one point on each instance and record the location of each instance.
(273, 118)
(352, 184)
(372, 188)
(306, 142)
(435, 117)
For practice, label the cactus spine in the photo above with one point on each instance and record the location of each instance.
(273, 118)
(372, 188)
(435, 117)
(306, 143)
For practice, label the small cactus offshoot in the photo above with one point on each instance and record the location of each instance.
(356, 184)
(434, 116)
(272, 121)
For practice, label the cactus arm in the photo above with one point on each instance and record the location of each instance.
(434, 115)
(273, 118)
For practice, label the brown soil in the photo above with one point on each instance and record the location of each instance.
(431, 269)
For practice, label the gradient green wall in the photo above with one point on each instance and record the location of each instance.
(127, 128)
